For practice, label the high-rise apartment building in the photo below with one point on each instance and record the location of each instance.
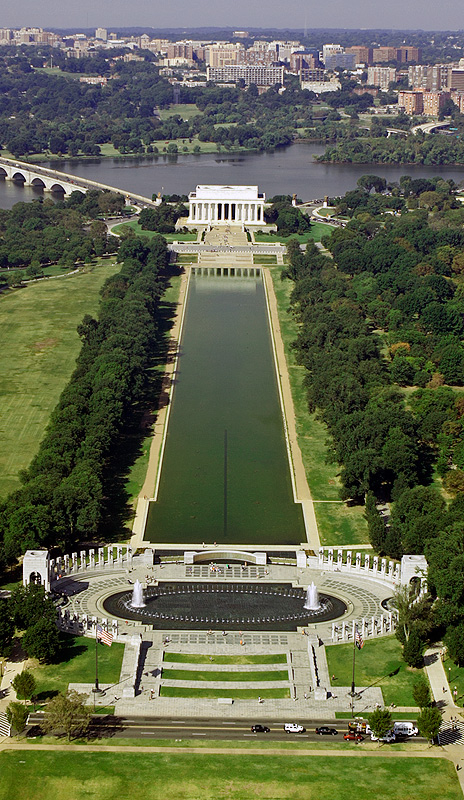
(102, 34)
(232, 73)
(362, 55)
(381, 76)
(411, 102)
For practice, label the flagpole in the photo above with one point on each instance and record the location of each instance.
(96, 689)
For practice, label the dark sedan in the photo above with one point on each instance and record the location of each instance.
(260, 729)
(325, 731)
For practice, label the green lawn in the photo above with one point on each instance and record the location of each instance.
(380, 663)
(395, 715)
(326, 212)
(237, 694)
(258, 258)
(338, 523)
(186, 258)
(225, 677)
(315, 233)
(184, 110)
(197, 658)
(39, 347)
(42, 775)
(78, 666)
(170, 237)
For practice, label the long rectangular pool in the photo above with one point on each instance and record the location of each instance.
(225, 474)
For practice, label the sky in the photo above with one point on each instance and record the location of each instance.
(401, 14)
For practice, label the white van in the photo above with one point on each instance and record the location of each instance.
(389, 737)
(401, 728)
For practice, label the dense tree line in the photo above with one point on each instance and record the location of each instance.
(387, 312)
(43, 232)
(62, 499)
(163, 218)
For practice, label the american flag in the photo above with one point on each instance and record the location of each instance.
(105, 636)
(359, 640)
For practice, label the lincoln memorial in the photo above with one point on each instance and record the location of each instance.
(226, 205)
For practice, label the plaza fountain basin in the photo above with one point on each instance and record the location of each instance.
(204, 606)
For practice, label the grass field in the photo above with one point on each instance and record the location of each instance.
(238, 694)
(338, 523)
(184, 110)
(41, 775)
(223, 676)
(78, 666)
(170, 237)
(380, 663)
(39, 348)
(317, 230)
(197, 658)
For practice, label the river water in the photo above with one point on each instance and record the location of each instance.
(286, 171)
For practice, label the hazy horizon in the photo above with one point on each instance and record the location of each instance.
(294, 14)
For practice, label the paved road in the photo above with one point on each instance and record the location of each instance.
(211, 729)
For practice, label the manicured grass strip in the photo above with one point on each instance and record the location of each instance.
(338, 523)
(198, 658)
(379, 663)
(77, 665)
(40, 344)
(186, 258)
(258, 258)
(238, 694)
(224, 677)
(34, 775)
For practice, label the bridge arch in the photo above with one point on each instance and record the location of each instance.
(57, 187)
(38, 182)
(3, 173)
(18, 177)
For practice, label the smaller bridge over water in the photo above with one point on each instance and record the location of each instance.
(51, 180)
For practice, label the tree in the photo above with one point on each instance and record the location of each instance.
(454, 640)
(7, 627)
(421, 693)
(429, 722)
(380, 722)
(67, 712)
(413, 650)
(42, 640)
(16, 715)
(24, 685)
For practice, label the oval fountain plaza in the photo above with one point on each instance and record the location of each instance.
(204, 606)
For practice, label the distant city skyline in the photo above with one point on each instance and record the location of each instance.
(293, 14)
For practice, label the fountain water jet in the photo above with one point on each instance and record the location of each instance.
(312, 602)
(137, 596)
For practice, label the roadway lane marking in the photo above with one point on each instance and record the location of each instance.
(177, 722)
(198, 734)
(229, 723)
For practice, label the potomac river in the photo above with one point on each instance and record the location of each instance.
(286, 171)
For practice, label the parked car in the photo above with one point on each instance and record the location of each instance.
(324, 730)
(293, 727)
(359, 725)
(260, 729)
(353, 736)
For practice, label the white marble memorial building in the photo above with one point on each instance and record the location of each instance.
(226, 205)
